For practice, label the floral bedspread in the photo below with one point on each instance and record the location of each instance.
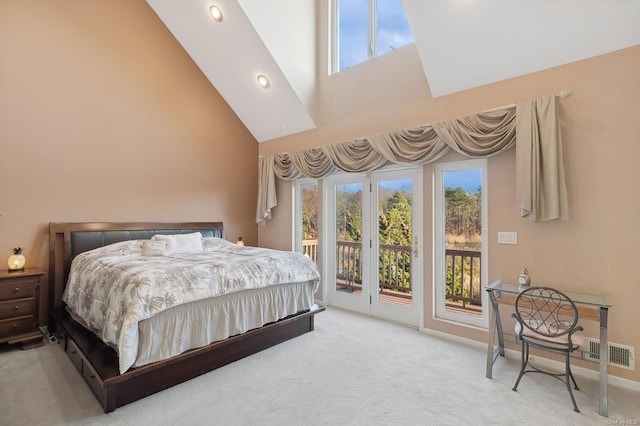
(114, 287)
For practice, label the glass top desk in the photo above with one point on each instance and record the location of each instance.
(591, 306)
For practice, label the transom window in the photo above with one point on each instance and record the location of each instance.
(364, 29)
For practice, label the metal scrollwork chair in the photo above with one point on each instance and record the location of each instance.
(547, 319)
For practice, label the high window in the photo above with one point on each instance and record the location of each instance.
(364, 29)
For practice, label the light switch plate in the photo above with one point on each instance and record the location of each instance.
(507, 238)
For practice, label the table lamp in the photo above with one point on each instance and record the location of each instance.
(16, 260)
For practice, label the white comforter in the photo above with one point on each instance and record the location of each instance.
(112, 288)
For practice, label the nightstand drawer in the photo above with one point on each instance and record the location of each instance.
(16, 308)
(15, 327)
(18, 288)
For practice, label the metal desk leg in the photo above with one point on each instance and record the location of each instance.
(603, 312)
(495, 326)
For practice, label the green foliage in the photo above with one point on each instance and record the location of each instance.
(395, 228)
(349, 216)
(463, 220)
(395, 219)
(462, 212)
(463, 217)
(310, 211)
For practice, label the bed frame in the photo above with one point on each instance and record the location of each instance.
(98, 363)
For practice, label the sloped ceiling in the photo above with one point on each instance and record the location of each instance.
(461, 44)
(231, 54)
(469, 43)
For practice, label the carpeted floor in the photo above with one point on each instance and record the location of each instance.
(352, 370)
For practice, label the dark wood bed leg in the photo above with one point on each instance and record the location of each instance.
(110, 401)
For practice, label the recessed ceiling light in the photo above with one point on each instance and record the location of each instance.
(216, 13)
(263, 81)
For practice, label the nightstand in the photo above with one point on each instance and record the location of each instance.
(19, 307)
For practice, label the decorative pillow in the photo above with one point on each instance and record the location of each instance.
(181, 243)
(213, 243)
(154, 248)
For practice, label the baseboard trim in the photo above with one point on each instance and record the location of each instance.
(621, 382)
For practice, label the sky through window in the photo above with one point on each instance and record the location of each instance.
(390, 30)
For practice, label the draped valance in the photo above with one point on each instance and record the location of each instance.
(533, 124)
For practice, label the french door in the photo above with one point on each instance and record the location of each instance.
(373, 251)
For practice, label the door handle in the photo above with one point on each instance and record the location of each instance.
(415, 246)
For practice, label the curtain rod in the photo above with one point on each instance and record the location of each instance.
(563, 94)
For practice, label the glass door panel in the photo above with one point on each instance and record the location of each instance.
(396, 258)
(348, 215)
(395, 240)
(373, 252)
(347, 210)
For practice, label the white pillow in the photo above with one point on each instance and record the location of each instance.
(154, 248)
(181, 243)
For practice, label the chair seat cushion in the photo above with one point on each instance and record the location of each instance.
(556, 342)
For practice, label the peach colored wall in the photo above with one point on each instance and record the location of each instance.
(104, 117)
(596, 249)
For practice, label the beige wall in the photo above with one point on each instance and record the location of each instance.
(104, 117)
(596, 249)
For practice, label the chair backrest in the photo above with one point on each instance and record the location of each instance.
(546, 311)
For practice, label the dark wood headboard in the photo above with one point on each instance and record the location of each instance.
(66, 240)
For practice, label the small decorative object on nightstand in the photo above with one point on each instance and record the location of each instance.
(20, 307)
(16, 260)
(240, 242)
(524, 279)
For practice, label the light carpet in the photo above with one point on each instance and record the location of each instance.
(352, 370)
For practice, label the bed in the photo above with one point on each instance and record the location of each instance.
(254, 317)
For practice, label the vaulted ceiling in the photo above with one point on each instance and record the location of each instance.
(461, 44)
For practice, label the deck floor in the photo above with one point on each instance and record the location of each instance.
(406, 300)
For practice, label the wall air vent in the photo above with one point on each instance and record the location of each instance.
(619, 355)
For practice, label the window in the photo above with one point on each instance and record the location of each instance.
(364, 29)
(306, 233)
(460, 255)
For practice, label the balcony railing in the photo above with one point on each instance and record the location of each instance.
(310, 249)
(463, 277)
(349, 263)
(463, 283)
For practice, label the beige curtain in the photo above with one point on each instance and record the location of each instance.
(541, 192)
(478, 135)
